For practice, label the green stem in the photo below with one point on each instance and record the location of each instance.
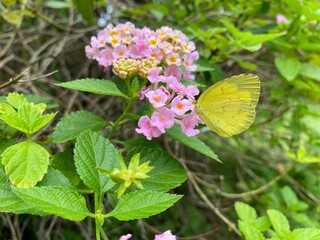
(97, 209)
(118, 121)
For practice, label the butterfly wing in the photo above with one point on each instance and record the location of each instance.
(228, 107)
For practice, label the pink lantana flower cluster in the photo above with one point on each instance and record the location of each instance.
(172, 103)
(164, 236)
(165, 46)
(165, 57)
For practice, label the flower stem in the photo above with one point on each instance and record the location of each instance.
(118, 121)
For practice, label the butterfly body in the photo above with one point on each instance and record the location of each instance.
(228, 107)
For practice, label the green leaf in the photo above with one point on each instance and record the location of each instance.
(289, 196)
(28, 118)
(86, 8)
(306, 234)
(279, 222)
(92, 151)
(97, 86)
(57, 4)
(245, 212)
(64, 162)
(310, 70)
(250, 232)
(232, 29)
(3, 176)
(9, 115)
(262, 223)
(288, 67)
(167, 173)
(16, 100)
(142, 204)
(55, 178)
(192, 142)
(70, 126)
(261, 38)
(61, 201)
(25, 163)
(204, 66)
(294, 5)
(12, 17)
(8, 3)
(10, 202)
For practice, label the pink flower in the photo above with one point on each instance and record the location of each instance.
(147, 128)
(191, 91)
(142, 45)
(188, 47)
(163, 89)
(134, 52)
(165, 236)
(281, 19)
(105, 57)
(143, 91)
(180, 106)
(157, 98)
(163, 119)
(120, 52)
(153, 75)
(153, 41)
(177, 87)
(166, 47)
(174, 71)
(92, 52)
(173, 58)
(154, 53)
(126, 237)
(188, 76)
(114, 41)
(188, 124)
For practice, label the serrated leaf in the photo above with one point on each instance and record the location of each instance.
(279, 222)
(10, 202)
(10, 117)
(28, 118)
(3, 176)
(192, 142)
(306, 234)
(61, 201)
(64, 162)
(142, 204)
(167, 173)
(97, 86)
(250, 232)
(92, 151)
(70, 126)
(16, 99)
(262, 223)
(245, 212)
(55, 178)
(261, 38)
(288, 67)
(25, 163)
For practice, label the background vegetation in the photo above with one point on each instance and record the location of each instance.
(273, 165)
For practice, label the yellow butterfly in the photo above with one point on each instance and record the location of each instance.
(228, 107)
